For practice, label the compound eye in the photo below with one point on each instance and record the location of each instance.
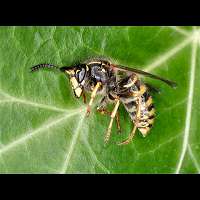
(81, 75)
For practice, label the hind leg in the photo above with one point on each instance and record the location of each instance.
(132, 134)
(130, 137)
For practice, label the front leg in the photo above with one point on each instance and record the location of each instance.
(93, 95)
(84, 98)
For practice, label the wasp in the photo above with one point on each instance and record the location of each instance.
(116, 84)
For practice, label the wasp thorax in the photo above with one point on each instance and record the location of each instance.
(99, 74)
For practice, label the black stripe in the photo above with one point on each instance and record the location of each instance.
(130, 104)
(138, 84)
(146, 96)
(111, 97)
(152, 117)
(123, 82)
(94, 65)
(150, 125)
(125, 94)
(133, 113)
(150, 107)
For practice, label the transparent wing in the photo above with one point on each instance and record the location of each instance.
(137, 71)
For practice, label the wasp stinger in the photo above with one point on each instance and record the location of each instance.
(116, 84)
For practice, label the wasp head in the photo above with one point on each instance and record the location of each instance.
(76, 75)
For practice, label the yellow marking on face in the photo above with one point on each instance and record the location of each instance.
(78, 91)
(75, 86)
(74, 82)
(87, 68)
(149, 102)
(70, 72)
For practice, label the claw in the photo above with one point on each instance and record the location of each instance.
(88, 111)
(119, 131)
(106, 140)
(130, 138)
(124, 142)
(103, 111)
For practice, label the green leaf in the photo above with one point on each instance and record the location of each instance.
(43, 128)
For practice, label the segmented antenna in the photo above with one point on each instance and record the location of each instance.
(45, 65)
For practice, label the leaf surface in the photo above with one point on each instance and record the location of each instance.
(43, 128)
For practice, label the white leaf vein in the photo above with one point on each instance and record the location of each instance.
(12, 99)
(94, 157)
(158, 61)
(189, 104)
(180, 30)
(163, 58)
(72, 145)
(30, 135)
(194, 160)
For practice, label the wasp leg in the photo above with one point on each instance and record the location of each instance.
(92, 97)
(102, 106)
(132, 134)
(107, 112)
(113, 114)
(130, 137)
(84, 98)
(118, 122)
(104, 111)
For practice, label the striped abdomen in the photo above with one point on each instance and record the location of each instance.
(138, 103)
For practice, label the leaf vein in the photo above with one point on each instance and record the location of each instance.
(196, 164)
(28, 136)
(189, 105)
(163, 58)
(180, 30)
(94, 157)
(72, 145)
(11, 99)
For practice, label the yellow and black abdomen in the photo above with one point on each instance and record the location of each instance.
(138, 103)
(147, 114)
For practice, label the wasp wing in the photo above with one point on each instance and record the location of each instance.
(137, 71)
(153, 89)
